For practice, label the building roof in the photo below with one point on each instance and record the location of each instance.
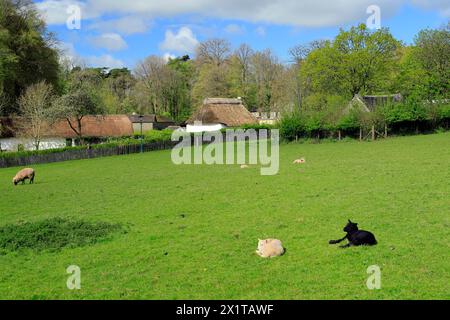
(230, 112)
(369, 103)
(92, 126)
(150, 118)
(95, 126)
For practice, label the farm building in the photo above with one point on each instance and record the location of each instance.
(150, 122)
(219, 113)
(370, 103)
(60, 134)
(367, 104)
(267, 117)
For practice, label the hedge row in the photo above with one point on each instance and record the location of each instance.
(397, 117)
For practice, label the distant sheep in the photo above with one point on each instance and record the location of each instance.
(23, 175)
(244, 166)
(299, 161)
(270, 248)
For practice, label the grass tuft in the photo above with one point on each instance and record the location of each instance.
(53, 234)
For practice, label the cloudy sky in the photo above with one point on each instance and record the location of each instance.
(118, 33)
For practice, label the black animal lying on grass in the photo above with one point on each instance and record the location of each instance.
(356, 237)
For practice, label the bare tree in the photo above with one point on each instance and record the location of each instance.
(34, 106)
(299, 52)
(214, 51)
(265, 69)
(151, 73)
(244, 55)
(162, 85)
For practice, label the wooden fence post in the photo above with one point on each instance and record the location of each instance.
(373, 132)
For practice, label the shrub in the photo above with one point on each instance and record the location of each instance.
(53, 234)
(292, 126)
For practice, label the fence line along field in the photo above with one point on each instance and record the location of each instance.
(139, 227)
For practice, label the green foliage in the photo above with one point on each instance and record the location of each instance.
(400, 112)
(292, 126)
(357, 61)
(444, 111)
(259, 126)
(158, 135)
(53, 234)
(27, 54)
(432, 50)
(22, 153)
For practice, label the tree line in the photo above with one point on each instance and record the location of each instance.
(312, 90)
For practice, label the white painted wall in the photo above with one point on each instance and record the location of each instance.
(11, 144)
(204, 127)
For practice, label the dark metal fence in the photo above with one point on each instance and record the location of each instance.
(78, 154)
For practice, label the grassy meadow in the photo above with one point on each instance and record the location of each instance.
(191, 231)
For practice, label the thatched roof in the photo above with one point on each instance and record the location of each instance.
(95, 126)
(230, 112)
(92, 126)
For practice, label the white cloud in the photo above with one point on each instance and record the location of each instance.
(311, 13)
(234, 29)
(168, 56)
(105, 60)
(109, 41)
(127, 25)
(69, 56)
(443, 6)
(56, 11)
(260, 31)
(184, 41)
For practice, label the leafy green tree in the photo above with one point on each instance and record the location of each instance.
(432, 49)
(185, 71)
(27, 50)
(357, 61)
(411, 78)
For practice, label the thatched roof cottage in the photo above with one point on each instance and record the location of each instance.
(56, 136)
(219, 113)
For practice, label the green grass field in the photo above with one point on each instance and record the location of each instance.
(397, 188)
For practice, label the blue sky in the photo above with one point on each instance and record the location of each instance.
(116, 33)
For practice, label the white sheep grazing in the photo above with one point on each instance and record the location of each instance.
(244, 166)
(23, 175)
(299, 161)
(270, 248)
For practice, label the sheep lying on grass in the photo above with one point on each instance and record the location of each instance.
(23, 175)
(270, 248)
(299, 161)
